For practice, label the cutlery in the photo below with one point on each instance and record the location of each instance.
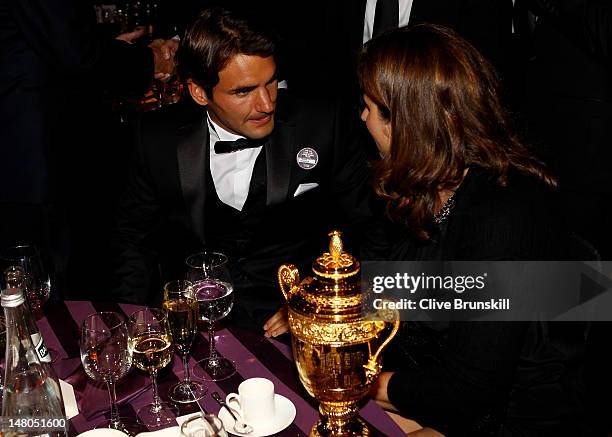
(239, 424)
(202, 410)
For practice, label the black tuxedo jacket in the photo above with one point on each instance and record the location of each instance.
(329, 34)
(161, 216)
(569, 107)
(570, 90)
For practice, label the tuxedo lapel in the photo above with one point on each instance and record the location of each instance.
(419, 11)
(443, 12)
(192, 155)
(354, 23)
(280, 152)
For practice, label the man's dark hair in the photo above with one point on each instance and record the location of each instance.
(214, 38)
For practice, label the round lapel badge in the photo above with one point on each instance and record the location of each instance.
(307, 158)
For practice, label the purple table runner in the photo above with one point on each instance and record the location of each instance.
(253, 354)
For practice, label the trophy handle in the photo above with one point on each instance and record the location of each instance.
(288, 279)
(373, 367)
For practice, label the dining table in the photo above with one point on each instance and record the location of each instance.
(253, 354)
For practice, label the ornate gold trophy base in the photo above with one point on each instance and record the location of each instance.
(339, 419)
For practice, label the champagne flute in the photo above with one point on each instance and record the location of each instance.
(214, 293)
(106, 358)
(24, 267)
(150, 342)
(204, 425)
(182, 310)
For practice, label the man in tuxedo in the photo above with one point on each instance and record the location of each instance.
(244, 168)
(54, 72)
(331, 34)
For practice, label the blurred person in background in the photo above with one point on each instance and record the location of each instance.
(54, 70)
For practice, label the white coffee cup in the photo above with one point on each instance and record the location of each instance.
(254, 401)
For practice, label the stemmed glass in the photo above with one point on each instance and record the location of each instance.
(182, 309)
(37, 280)
(170, 91)
(106, 357)
(24, 267)
(150, 342)
(204, 425)
(212, 287)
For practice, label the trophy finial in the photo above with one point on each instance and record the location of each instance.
(335, 245)
(336, 263)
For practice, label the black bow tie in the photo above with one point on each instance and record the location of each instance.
(239, 144)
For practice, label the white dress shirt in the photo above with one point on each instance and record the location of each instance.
(231, 172)
(368, 23)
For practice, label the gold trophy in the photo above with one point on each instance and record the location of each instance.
(335, 348)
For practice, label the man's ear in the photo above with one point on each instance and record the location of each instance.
(197, 93)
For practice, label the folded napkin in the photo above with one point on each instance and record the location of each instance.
(93, 398)
(70, 405)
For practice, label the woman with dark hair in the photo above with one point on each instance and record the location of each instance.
(460, 186)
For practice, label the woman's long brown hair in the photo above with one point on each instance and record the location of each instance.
(442, 100)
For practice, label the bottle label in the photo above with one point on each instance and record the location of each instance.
(41, 349)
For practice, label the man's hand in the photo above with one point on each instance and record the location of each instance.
(277, 324)
(378, 391)
(130, 37)
(163, 52)
(169, 47)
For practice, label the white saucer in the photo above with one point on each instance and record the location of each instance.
(285, 413)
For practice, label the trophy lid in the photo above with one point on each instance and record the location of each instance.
(334, 289)
(336, 264)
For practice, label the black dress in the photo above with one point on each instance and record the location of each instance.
(491, 378)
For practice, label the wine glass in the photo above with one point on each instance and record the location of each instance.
(207, 265)
(106, 358)
(203, 425)
(150, 341)
(37, 280)
(214, 293)
(170, 91)
(24, 267)
(182, 310)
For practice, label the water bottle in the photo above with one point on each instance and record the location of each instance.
(15, 278)
(32, 403)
